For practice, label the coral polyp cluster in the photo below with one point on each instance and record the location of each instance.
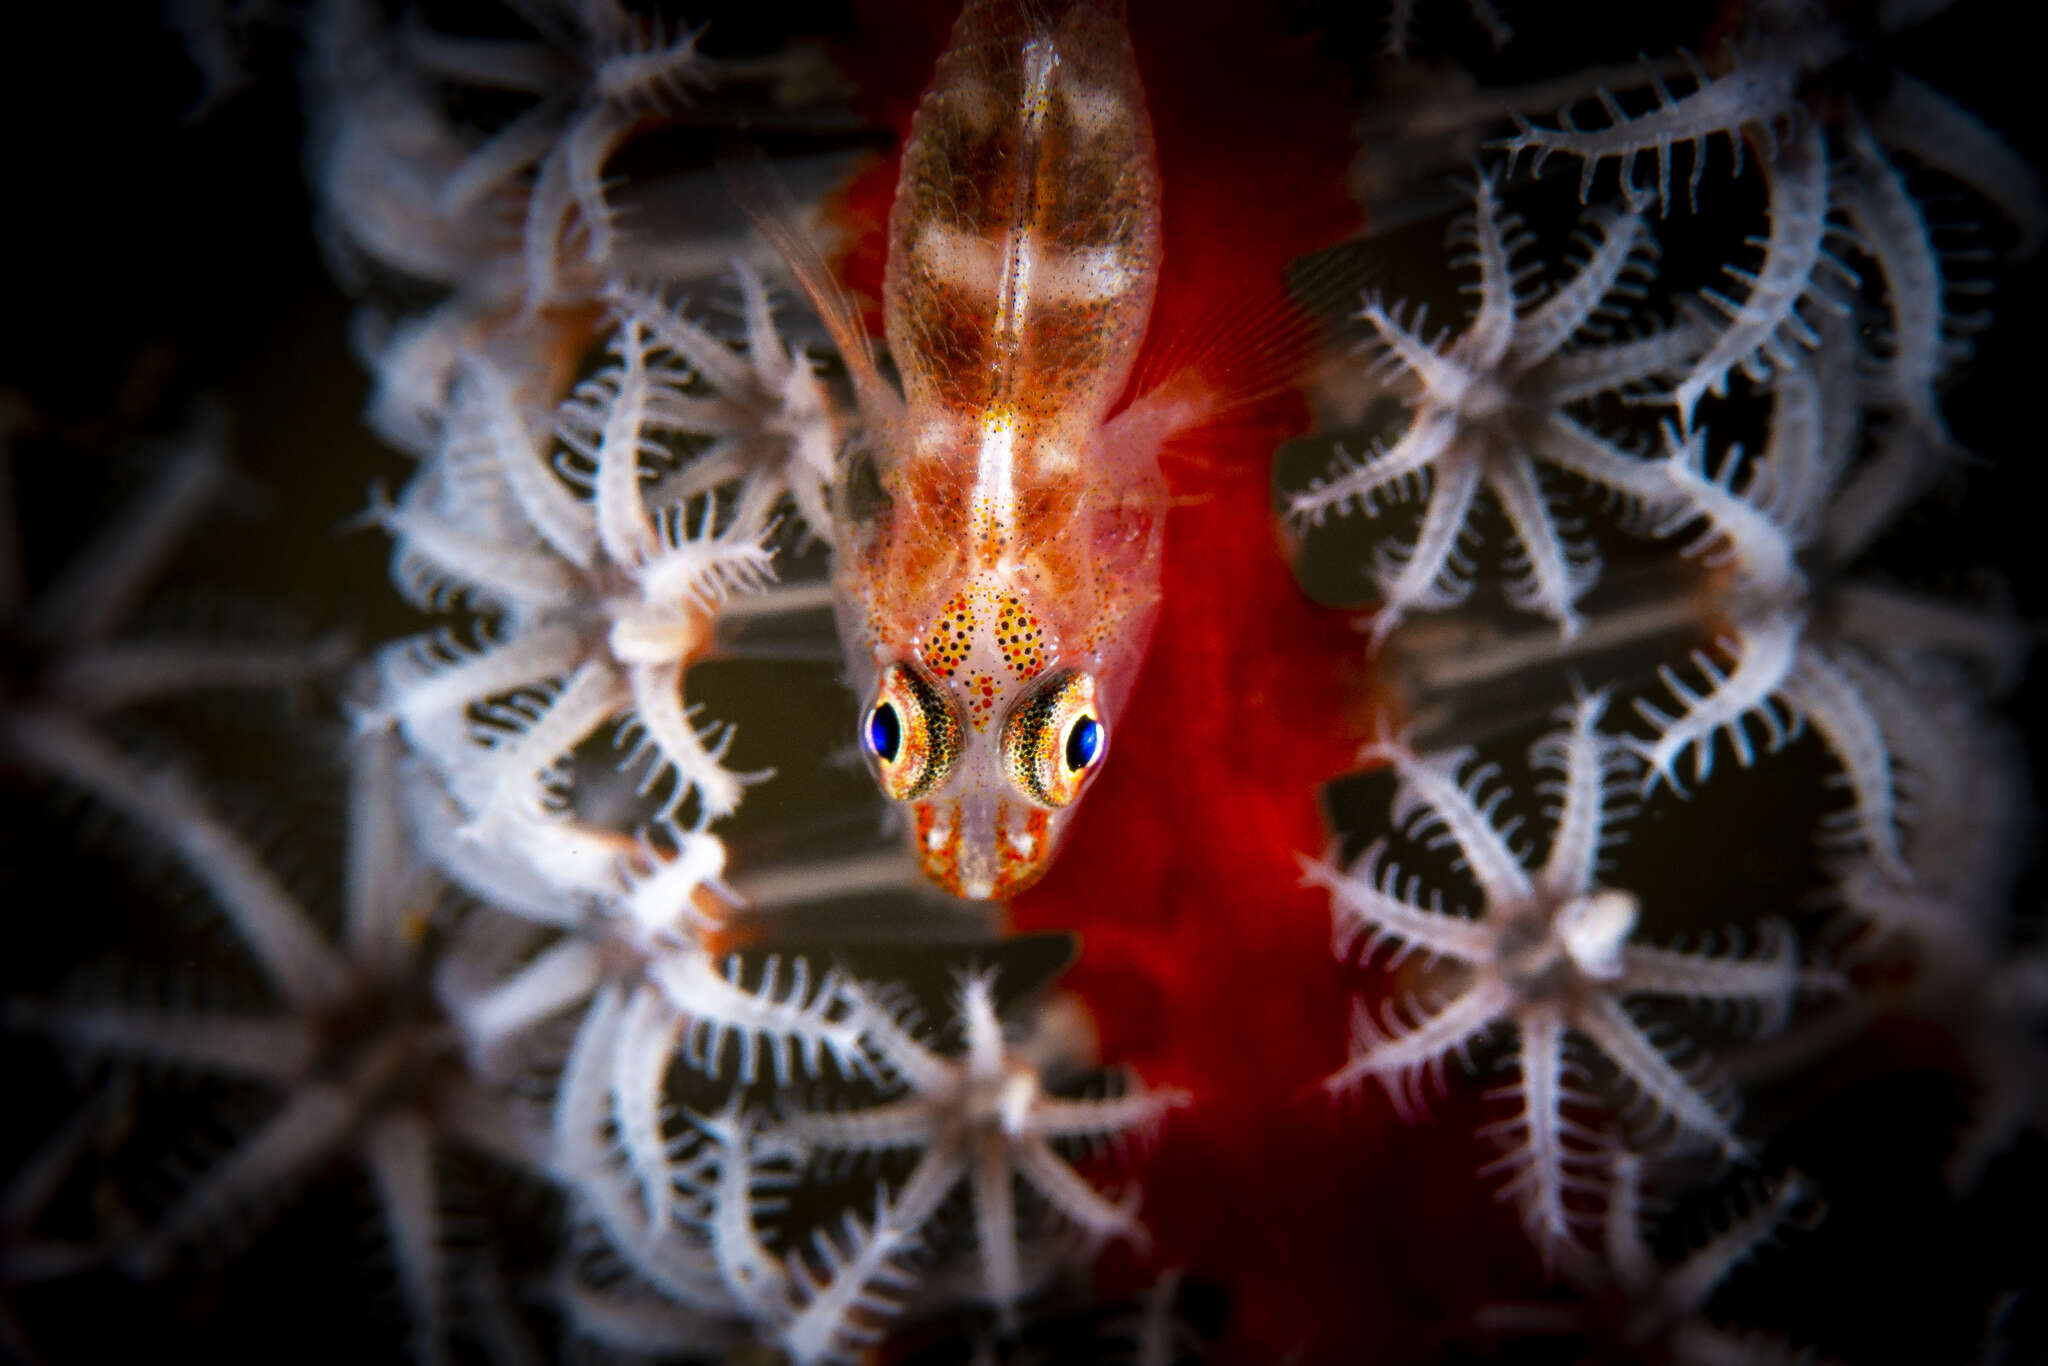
(1634, 747)
(1551, 951)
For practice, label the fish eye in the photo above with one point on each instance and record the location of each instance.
(912, 733)
(1084, 742)
(1054, 738)
(885, 732)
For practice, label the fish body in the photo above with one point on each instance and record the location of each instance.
(998, 570)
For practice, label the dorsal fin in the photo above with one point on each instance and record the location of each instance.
(767, 205)
(1267, 340)
(1246, 156)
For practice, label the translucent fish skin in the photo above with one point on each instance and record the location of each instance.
(1000, 529)
(1024, 241)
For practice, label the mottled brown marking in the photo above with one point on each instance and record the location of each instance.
(1053, 178)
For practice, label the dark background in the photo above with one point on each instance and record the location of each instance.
(160, 251)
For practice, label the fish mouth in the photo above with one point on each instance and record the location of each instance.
(982, 850)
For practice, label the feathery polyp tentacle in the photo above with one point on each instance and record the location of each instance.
(1400, 1056)
(991, 1187)
(257, 1046)
(1541, 1155)
(1444, 373)
(893, 1046)
(555, 980)
(1562, 442)
(428, 679)
(1492, 333)
(583, 1097)
(845, 1304)
(667, 901)
(1594, 368)
(1765, 652)
(1893, 229)
(650, 69)
(679, 748)
(975, 1006)
(1757, 93)
(521, 578)
(265, 916)
(797, 1022)
(703, 569)
(1607, 1023)
(1828, 697)
(630, 394)
(1768, 981)
(400, 1154)
(1428, 575)
(105, 581)
(1919, 119)
(1740, 531)
(756, 1277)
(1430, 794)
(488, 398)
(314, 1119)
(885, 1127)
(1589, 765)
(522, 770)
(1557, 574)
(380, 880)
(1363, 482)
(1619, 234)
(94, 678)
(1766, 325)
(1368, 906)
(639, 1067)
(1077, 1201)
(1133, 1112)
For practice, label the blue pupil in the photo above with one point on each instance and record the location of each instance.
(885, 732)
(1084, 743)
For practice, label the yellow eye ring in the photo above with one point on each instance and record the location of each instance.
(1054, 739)
(911, 732)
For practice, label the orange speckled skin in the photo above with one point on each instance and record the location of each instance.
(1002, 526)
(1028, 138)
